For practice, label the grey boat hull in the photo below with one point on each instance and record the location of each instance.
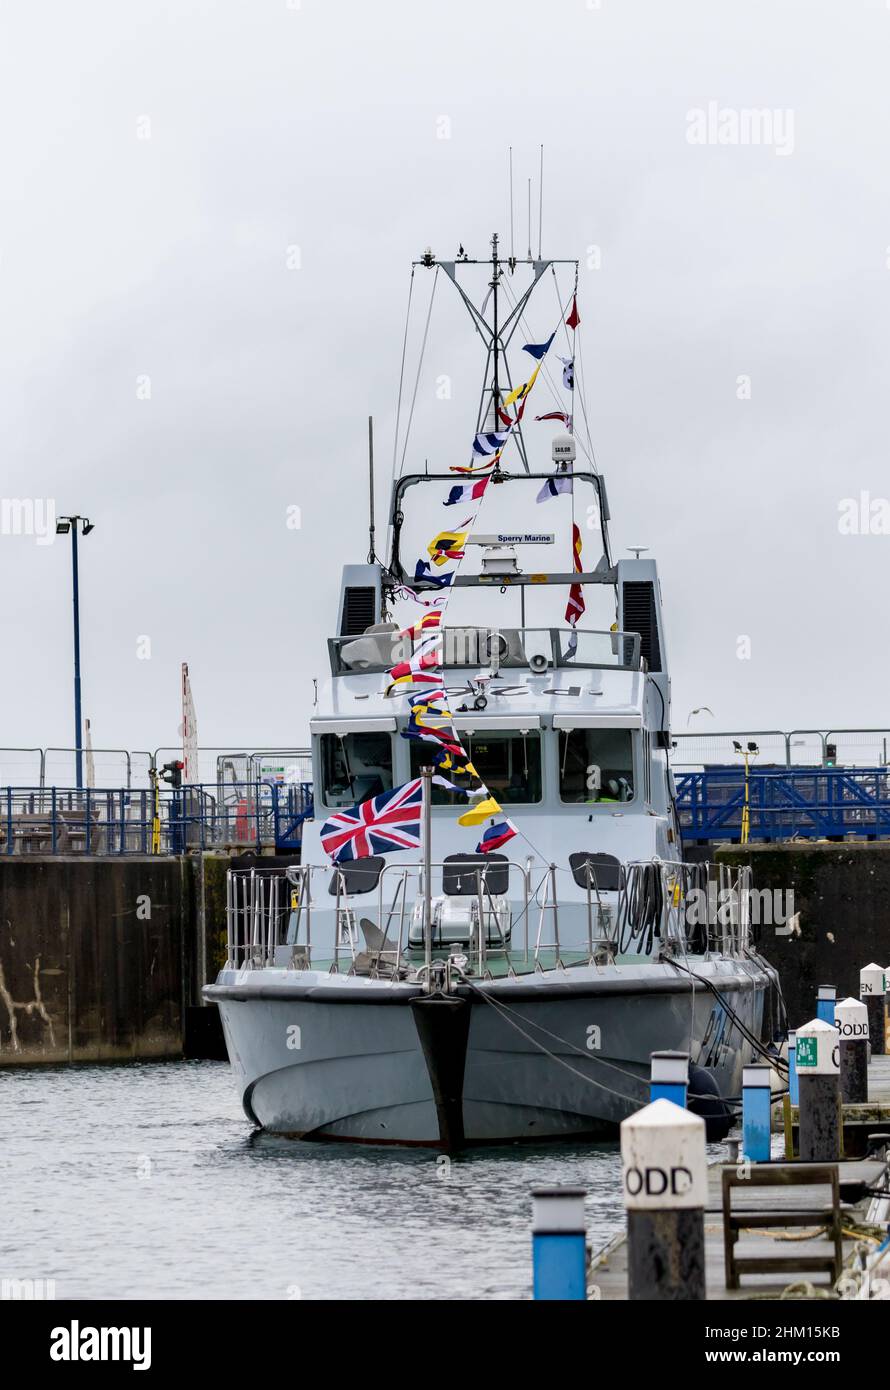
(556, 1055)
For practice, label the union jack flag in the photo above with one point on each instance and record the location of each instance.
(380, 825)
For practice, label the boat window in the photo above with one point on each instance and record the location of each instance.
(508, 761)
(596, 871)
(357, 876)
(355, 766)
(596, 765)
(461, 874)
(580, 648)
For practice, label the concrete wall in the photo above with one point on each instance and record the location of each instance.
(842, 893)
(99, 958)
(103, 959)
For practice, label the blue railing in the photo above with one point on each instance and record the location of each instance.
(785, 803)
(120, 820)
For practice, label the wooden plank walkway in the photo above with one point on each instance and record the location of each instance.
(608, 1276)
(879, 1082)
(860, 1121)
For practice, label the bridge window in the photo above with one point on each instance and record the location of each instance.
(509, 763)
(355, 767)
(596, 765)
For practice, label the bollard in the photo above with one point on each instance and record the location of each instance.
(756, 1103)
(825, 1000)
(818, 1072)
(793, 1088)
(851, 1018)
(669, 1077)
(559, 1243)
(872, 991)
(665, 1179)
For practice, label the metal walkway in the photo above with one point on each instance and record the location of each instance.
(120, 820)
(785, 803)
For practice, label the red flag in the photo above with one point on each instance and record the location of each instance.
(557, 415)
(575, 606)
(574, 317)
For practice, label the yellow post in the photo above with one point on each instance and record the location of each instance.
(747, 753)
(155, 813)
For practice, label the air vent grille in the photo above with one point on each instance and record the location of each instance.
(640, 616)
(358, 611)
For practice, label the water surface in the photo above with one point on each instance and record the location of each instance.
(146, 1181)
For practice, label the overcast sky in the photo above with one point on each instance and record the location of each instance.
(159, 163)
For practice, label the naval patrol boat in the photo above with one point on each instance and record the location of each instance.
(491, 927)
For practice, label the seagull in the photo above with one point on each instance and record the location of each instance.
(702, 709)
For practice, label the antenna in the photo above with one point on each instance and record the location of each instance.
(512, 248)
(529, 219)
(495, 391)
(540, 206)
(371, 553)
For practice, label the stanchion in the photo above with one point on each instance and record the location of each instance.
(756, 1102)
(669, 1077)
(872, 992)
(818, 1071)
(559, 1243)
(825, 1001)
(665, 1179)
(793, 1088)
(851, 1018)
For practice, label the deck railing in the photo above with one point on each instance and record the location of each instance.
(659, 910)
(121, 820)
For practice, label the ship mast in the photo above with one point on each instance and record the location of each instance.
(495, 393)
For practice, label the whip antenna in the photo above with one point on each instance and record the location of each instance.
(371, 552)
(512, 249)
(540, 205)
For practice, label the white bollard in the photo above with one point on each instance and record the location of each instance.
(872, 991)
(851, 1021)
(818, 1073)
(665, 1178)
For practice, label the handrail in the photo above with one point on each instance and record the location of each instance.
(825, 737)
(806, 802)
(654, 903)
(42, 758)
(400, 647)
(118, 751)
(118, 820)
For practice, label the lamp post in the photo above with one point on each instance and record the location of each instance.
(64, 524)
(747, 753)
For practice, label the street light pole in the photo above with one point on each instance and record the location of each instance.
(64, 524)
(78, 720)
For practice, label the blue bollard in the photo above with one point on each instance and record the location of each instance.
(825, 1002)
(669, 1077)
(793, 1085)
(756, 1101)
(559, 1244)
